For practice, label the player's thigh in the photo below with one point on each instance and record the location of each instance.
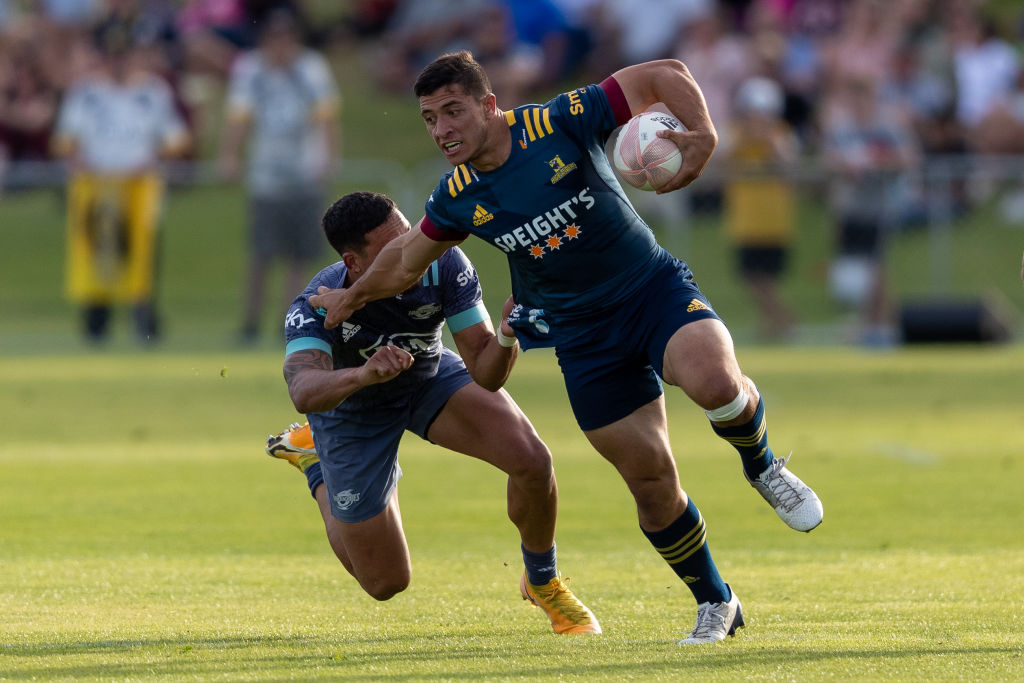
(376, 547)
(637, 445)
(490, 426)
(701, 360)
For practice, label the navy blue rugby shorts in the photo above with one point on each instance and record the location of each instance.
(358, 446)
(612, 364)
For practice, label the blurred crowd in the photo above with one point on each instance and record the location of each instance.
(950, 70)
(868, 89)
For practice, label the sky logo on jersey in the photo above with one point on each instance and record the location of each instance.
(550, 230)
(465, 276)
(560, 169)
(296, 319)
(481, 216)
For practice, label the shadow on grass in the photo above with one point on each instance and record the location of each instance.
(424, 657)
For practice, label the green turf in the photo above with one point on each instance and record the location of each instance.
(146, 537)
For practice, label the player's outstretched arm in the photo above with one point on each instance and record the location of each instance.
(398, 266)
(669, 82)
(488, 360)
(315, 386)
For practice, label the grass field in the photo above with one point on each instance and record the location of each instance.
(146, 536)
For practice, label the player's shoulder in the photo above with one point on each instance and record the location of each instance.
(575, 102)
(454, 258)
(460, 180)
(332, 277)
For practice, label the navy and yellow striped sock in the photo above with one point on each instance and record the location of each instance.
(683, 545)
(751, 440)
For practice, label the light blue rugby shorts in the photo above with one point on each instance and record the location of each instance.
(358, 447)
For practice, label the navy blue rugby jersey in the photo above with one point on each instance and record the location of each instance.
(575, 245)
(449, 291)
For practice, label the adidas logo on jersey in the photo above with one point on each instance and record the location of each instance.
(347, 330)
(481, 216)
(697, 305)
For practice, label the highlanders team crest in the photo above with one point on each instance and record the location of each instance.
(560, 168)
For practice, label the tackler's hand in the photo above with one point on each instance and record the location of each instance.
(385, 364)
(334, 304)
(506, 311)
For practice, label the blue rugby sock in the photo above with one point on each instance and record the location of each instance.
(751, 440)
(540, 567)
(682, 544)
(314, 477)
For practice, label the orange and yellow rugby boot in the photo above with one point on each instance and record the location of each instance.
(567, 613)
(295, 445)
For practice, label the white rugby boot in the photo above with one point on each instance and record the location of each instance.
(716, 621)
(793, 500)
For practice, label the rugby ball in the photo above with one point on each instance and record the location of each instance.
(640, 157)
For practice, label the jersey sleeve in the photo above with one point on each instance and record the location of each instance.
(436, 223)
(591, 112)
(463, 304)
(304, 329)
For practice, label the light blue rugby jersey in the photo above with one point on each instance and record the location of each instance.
(575, 245)
(449, 291)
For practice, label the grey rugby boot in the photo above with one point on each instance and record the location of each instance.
(793, 500)
(716, 621)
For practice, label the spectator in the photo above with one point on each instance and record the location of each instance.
(28, 107)
(283, 96)
(1002, 132)
(543, 31)
(114, 127)
(516, 70)
(418, 31)
(925, 96)
(150, 25)
(644, 34)
(368, 18)
(987, 67)
(585, 27)
(720, 60)
(870, 150)
(867, 39)
(760, 205)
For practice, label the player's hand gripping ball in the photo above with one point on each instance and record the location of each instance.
(640, 157)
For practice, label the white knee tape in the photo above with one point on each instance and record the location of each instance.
(730, 410)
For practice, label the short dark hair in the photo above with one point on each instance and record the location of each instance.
(351, 217)
(453, 68)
